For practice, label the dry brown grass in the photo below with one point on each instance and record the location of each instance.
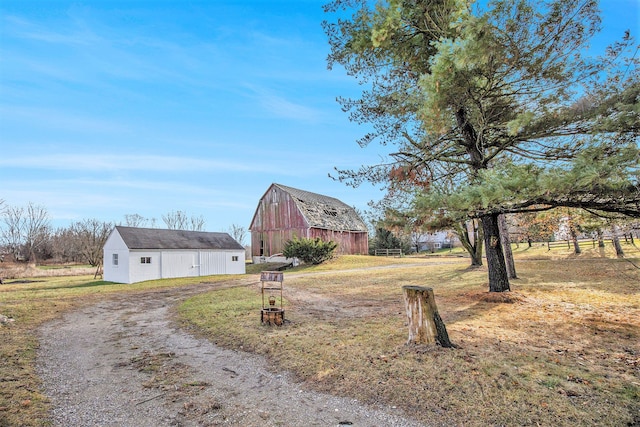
(13, 271)
(562, 350)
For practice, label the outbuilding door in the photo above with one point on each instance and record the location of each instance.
(212, 263)
(180, 264)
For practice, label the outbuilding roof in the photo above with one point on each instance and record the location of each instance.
(324, 211)
(159, 238)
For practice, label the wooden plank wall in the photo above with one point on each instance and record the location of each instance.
(279, 220)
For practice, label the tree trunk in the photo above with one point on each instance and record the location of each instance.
(474, 248)
(600, 238)
(478, 238)
(425, 324)
(506, 245)
(574, 239)
(32, 256)
(616, 241)
(498, 277)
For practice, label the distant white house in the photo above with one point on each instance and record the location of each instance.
(137, 254)
(434, 241)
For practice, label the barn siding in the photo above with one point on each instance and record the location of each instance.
(278, 219)
(277, 211)
(273, 241)
(348, 242)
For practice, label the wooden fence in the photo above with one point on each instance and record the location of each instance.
(388, 252)
(568, 244)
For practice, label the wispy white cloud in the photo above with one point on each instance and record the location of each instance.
(109, 200)
(58, 119)
(112, 162)
(278, 106)
(103, 52)
(228, 201)
(112, 58)
(21, 28)
(132, 162)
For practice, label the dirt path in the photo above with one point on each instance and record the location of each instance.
(122, 362)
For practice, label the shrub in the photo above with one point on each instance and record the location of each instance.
(310, 251)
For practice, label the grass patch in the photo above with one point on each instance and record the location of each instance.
(563, 350)
(228, 316)
(64, 266)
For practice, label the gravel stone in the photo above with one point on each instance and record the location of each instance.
(122, 362)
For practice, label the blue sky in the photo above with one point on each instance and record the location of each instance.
(118, 107)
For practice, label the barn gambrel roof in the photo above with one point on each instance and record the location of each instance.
(325, 212)
(158, 238)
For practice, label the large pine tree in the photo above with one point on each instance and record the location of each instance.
(499, 98)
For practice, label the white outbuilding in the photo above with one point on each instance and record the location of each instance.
(134, 254)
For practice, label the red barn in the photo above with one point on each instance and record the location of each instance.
(285, 212)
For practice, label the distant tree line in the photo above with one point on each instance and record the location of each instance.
(26, 234)
(392, 229)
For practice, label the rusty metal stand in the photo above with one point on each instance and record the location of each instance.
(270, 314)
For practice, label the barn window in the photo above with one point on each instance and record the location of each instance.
(145, 260)
(114, 259)
(234, 258)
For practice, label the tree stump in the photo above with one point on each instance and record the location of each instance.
(425, 324)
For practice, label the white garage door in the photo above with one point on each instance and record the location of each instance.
(179, 264)
(212, 263)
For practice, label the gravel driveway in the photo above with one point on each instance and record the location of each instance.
(122, 362)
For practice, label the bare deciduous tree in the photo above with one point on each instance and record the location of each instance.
(65, 249)
(90, 236)
(12, 231)
(136, 220)
(197, 223)
(175, 220)
(179, 220)
(238, 233)
(37, 229)
(1, 212)
(26, 230)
